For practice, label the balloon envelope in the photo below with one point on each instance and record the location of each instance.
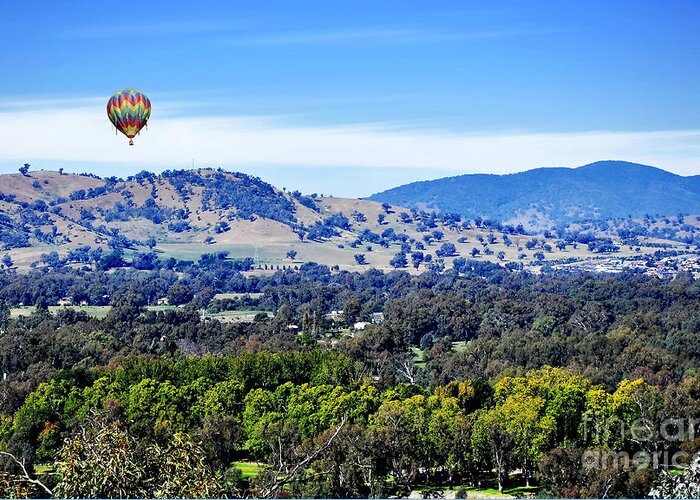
(129, 111)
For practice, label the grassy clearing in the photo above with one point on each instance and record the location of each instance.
(98, 312)
(520, 491)
(474, 492)
(184, 251)
(193, 251)
(42, 469)
(161, 308)
(486, 493)
(248, 469)
(418, 356)
(459, 345)
(224, 296)
(492, 491)
(237, 316)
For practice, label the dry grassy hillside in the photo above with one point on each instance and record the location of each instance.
(184, 214)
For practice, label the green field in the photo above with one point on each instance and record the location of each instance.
(459, 345)
(100, 312)
(491, 491)
(193, 251)
(224, 296)
(248, 469)
(42, 469)
(237, 316)
(160, 308)
(487, 490)
(93, 311)
(486, 493)
(418, 356)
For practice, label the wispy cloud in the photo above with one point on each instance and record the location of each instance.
(238, 33)
(83, 134)
(383, 34)
(158, 28)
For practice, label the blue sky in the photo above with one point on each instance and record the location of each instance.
(353, 97)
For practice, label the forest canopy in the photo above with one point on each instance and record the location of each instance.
(344, 384)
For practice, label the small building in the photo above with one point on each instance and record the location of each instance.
(65, 301)
(378, 318)
(360, 325)
(163, 301)
(336, 315)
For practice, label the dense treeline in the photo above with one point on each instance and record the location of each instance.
(352, 436)
(609, 327)
(448, 386)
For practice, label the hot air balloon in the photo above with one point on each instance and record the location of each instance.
(129, 111)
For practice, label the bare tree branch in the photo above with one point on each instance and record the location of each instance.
(27, 477)
(407, 369)
(289, 476)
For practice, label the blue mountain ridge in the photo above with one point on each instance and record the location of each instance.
(600, 190)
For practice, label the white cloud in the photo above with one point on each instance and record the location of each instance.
(83, 134)
(384, 34)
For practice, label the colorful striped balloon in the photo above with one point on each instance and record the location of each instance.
(129, 111)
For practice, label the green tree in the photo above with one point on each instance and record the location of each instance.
(448, 436)
(351, 467)
(152, 405)
(417, 258)
(126, 307)
(494, 443)
(399, 260)
(104, 460)
(351, 310)
(446, 250)
(179, 470)
(7, 261)
(532, 430)
(179, 294)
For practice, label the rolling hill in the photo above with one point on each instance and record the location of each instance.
(50, 219)
(545, 196)
(184, 214)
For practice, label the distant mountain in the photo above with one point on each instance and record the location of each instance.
(85, 219)
(601, 190)
(50, 219)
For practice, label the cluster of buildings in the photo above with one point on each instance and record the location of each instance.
(667, 267)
